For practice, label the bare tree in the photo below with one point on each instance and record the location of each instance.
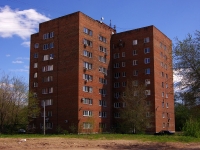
(134, 114)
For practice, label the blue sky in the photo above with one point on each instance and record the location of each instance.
(20, 18)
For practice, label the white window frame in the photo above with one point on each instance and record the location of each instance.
(135, 62)
(135, 52)
(146, 40)
(147, 50)
(134, 42)
(147, 60)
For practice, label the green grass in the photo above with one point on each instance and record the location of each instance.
(173, 138)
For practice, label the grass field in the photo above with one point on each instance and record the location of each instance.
(141, 137)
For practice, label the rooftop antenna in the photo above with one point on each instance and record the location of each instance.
(114, 26)
(102, 18)
(110, 23)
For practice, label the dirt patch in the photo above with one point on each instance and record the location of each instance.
(83, 144)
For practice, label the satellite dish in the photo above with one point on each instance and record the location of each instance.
(102, 18)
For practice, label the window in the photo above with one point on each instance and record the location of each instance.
(123, 94)
(116, 55)
(87, 89)
(161, 54)
(162, 74)
(163, 104)
(134, 52)
(101, 38)
(36, 45)
(87, 65)
(123, 74)
(87, 125)
(87, 101)
(161, 64)
(124, 104)
(46, 57)
(51, 56)
(124, 84)
(147, 114)
(45, 46)
(148, 103)
(102, 114)
(135, 62)
(135, 93)
(117, 95)
(47, 90)
(163, 115)
(51, 35)
(102, 125)
(87, 54)
(102, 92)
(123, 64)
(87, 77)
(47, 68)
(35, 84)
(147, 92)
(102, 49)
(166, 95)
(35, 95)
(147, 71)
(35, 75)
(116, 115)
(116, 85)
(48, 102)
(134, 42)
(162, 84)
(116, 75)
(102, 80)
(166, 76)
(48, 79)
(147, 50)
(166, 85)
(35, 65)
(117, 105)
(135, 72)
(135, 83)
(87, 31)
(102, 59)
(87, 113)
(163, 94)
(163, 125)
(102, 103)
(116, 65)
(167, 105)
(51, 45)
(147, 81)
(45, 36)
(103, 70)
(146, 40)
(147, 60)
(123, 54)
(87, 42)
(35, 55)
(51, 90)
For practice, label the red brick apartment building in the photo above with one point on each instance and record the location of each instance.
(71, 70)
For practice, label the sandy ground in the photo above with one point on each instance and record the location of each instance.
(83, 144)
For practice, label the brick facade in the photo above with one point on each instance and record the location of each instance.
(71, 68)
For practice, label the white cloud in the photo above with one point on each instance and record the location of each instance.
(17, 62)
(22, 23)
(26, 44)
(8, 55)
(22, 58)
(20, 70)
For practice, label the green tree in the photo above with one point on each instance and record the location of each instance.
(134, 114)
(186, 55)
(14, 106)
